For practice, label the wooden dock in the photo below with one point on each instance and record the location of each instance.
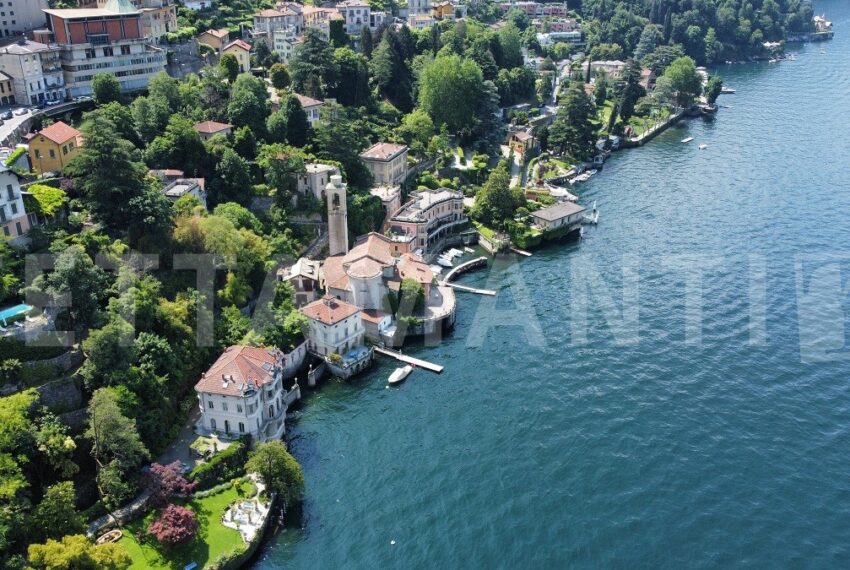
(489, 292)
(418, 363)
(464, 267)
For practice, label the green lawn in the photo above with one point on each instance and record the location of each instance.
(213, 540)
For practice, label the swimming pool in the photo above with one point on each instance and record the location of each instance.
(11, 312)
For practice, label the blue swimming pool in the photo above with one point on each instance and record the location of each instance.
(11, 312)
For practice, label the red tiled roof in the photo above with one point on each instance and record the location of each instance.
(373, 316)
(382, 151)
(59, 132)
(375, 247)
(211, 127)
(329, 310)
(218, 33)
(412, 266)
(238, 368)
(238, 43)
(307, 101)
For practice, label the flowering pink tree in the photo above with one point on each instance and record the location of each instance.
(163, 481)
(175, 525)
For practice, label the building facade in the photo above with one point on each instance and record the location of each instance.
(103, 40)
(335, 333)
(35, 71)
(564, 216)
(387, 162)
(19, 16)
(241, 50)
(429, 216)
(52, 148)
(243, 392)
(14, 220)
(418, 7)
(186, 186)
(316, 178)
(337, 216)
(312, 108)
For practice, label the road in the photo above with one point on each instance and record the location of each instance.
(10, 126)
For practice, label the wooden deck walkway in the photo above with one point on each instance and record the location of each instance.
(410, 360)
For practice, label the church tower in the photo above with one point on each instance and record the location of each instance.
(337, 216)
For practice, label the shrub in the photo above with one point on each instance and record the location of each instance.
(16, 154)
(164, 481)
(13, 348)
(175, 525)
(222, 466)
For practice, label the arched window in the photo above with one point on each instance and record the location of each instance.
(212, 424)
(241, 427)
(226, 426)
(271, 411)
(336, 201)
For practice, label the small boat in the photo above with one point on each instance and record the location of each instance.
(445, 262)
(703, 146)
(436, 269)
(727, 90)
(468, 250)
(111, 536)
(399, 374)
(823, 51)
(455, 252)
(687, 140)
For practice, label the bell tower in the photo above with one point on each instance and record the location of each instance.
(337, 216)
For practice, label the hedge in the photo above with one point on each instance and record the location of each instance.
(13, 348)
(224, 465)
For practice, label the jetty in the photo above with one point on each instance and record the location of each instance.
(520, 251)
(475, 290)
(417, 362)
(464, 267)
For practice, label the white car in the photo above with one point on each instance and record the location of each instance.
(21, 111)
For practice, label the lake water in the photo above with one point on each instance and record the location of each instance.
(715, 432)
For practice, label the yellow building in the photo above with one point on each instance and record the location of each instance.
(216, 39)
(53, 147)
(242, 51)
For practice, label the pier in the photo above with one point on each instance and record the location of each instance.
(418, 363)
(464, 267)
(475, 290)
(520, 251)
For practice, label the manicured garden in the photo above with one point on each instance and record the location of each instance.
(213, 540)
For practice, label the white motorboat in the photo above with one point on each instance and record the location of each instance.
(399, 374)
(455, 253)
(703, 146)
(445, 262)
(687, 140)
(727, 90)
(468, 250)
(436, 269)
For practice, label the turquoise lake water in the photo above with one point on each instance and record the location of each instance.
(720, 438)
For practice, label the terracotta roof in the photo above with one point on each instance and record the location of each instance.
(59, 132)
(269, 13)
(335, 276)
(375, 246)
(412, 266)
(383, 151)
(238, 43)
(167, 173)
(329, 310)
(373, 316)
(238, 369)
(364, 268)
(211, 127)
(307, 101)
(218, 33)
(521, 136)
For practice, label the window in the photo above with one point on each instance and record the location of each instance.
(125, 50)
(210, 405)
(241, 427)
(224, 406)
(52, 153)
(239, 408)
(38, 153)
(19, 228)
(14, 207)
(3, 215)
(107, 51)
(212, 424)
(90, 54)
(226, 426)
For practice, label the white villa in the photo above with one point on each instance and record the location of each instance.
(315, 178)
(387, 162)
(243, 392)
(336, 334)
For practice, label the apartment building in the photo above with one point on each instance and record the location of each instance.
(103, 40)
(19, 16)
(159, 17)
(14, 220)
(429, 216)
(35, 71)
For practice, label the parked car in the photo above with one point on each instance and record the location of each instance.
(21, 111)
(6, 116)
(52, 103)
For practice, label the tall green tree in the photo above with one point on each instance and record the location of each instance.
(366, 42)
(229, 66)
(312, 69)
(297, 125)
(684, 79)
(179, 146)
(279, 76)
(105, 88)
(249, 104)
(573, 131)
(449, 91)
(496, 202)
(278, 470)
(391, 72)
(56, 515)
(353, 86)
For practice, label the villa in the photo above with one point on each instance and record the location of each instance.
(336, 335)
(429, 217)
(243, 392)
(566, 216)
(311, 107)
(209, 129)
(387, 162)
(315, 178)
